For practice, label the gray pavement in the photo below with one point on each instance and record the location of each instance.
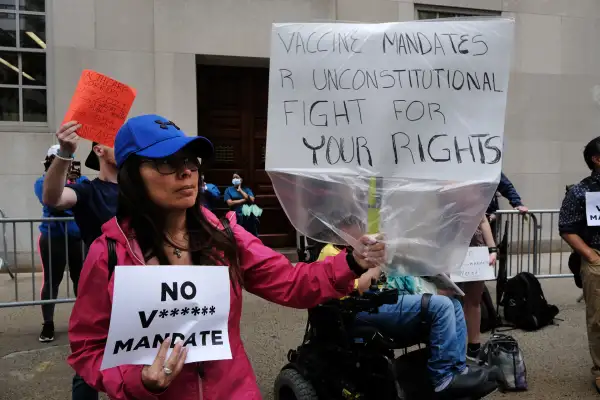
(557, 357)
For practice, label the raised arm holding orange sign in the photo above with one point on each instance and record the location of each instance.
(101, 105)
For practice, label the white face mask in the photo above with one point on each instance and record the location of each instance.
(236, 181)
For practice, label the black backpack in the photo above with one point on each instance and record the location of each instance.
(525, 305)
(112, 247)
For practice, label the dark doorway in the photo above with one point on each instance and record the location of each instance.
(232, 113)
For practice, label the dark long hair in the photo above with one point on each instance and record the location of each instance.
(208, 245)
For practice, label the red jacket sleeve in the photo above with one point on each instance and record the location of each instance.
(272, 276)
(88, 332)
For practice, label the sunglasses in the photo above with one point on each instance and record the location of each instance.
(168, 166)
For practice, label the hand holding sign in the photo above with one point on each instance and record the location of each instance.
(158, 376)
(67, 137)
(101, 104)
(372, 254)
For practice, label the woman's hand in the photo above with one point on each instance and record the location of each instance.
(158, 376)
(493, 257)
(373, 252)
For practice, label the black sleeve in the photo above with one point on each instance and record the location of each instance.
(82, 190)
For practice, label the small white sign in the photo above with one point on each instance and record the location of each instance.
(592, 208)
(150, 304)
(476, 267)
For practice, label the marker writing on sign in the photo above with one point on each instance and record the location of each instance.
(203, 338)
(484, 151)
(416, 78)
(174, 292)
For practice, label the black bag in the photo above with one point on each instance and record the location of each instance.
(503, 352)
(575, 259)
(489, 316)
(525, 305)
(575, 267)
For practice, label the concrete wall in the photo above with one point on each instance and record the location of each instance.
(553, 107)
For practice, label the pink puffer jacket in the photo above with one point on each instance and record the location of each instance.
(267, 274)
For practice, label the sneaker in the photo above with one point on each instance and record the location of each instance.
(473, 355)
(47, 334)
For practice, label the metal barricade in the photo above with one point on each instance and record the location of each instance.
(532, 243)
(22, 261)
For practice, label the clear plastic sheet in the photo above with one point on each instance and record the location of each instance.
(374, 172)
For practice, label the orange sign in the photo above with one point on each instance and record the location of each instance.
(101, 105)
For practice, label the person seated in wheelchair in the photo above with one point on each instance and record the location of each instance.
(447, 331)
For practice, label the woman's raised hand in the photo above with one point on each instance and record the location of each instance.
(158, 376)
(373, 252)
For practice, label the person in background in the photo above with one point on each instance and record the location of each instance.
(236, 197)
(584, 239)
(92, 202)
(449, 373)
(59, 242)
(211, 194)
(160, 221)
(507, 190)
(474, 290)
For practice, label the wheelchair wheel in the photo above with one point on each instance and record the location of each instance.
(291, 385)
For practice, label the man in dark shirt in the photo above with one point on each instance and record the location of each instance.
(93, 202)
(584, 239)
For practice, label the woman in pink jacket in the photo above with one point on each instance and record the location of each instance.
(160, 222)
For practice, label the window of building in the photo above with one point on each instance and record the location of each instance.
(23, 88)
(436, 12)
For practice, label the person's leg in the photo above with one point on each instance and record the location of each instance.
(82, 391)
(53, 263)
(75, 261)
(472, 310)
(404, 318)
(590, 276)
(461, 335)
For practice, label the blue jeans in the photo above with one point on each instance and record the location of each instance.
(447, 335)
(82, 391)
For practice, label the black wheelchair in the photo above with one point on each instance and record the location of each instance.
(341, 360)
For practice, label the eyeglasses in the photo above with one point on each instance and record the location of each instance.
(168, 166)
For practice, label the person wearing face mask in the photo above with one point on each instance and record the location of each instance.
(238, 196)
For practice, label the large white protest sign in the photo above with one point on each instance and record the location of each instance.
(417, 107)
(150, 304)
(476, 267)
(592, 208)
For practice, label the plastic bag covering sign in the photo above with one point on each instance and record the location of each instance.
(476, 267)
(101, 105)
(395, 127)
(150, 304)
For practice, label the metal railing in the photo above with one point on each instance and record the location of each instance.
(527, 242)
(24, 262)
(530, 242)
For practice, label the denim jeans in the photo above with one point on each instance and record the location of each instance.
(448, 330)
(82, 391)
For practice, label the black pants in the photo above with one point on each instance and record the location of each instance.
(82, 391)
(54, 260)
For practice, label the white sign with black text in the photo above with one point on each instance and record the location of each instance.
(152, 303)
(411, 99)
(476, 267)
(592, 208)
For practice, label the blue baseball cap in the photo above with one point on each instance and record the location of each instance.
(153, 136)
